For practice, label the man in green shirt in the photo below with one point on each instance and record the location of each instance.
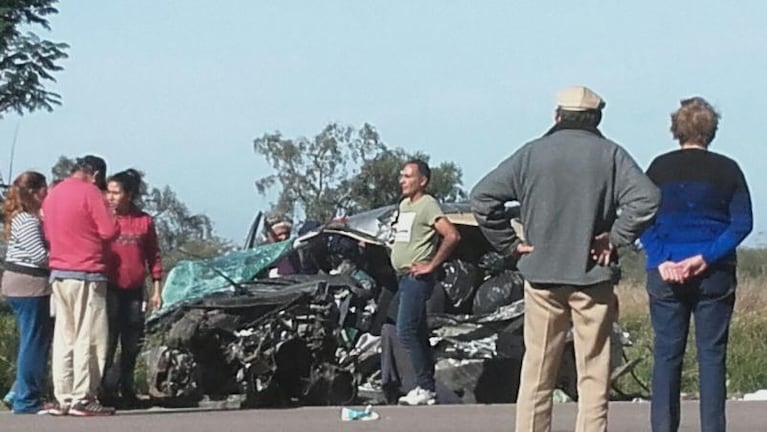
(416, 254)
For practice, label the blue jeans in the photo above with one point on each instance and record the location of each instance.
(710, 299)
(35, 326)
(412, 329)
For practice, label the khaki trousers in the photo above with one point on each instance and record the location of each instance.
(549, 314)
(79, 338)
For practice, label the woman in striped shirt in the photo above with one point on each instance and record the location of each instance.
(25, 286)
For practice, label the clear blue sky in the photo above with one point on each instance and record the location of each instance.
(180, 88)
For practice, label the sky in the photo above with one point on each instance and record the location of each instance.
(180, 88)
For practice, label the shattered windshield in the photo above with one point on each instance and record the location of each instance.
(192, 280)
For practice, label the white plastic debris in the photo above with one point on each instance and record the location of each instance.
(560, 396)
(759, 395)
(349, 414)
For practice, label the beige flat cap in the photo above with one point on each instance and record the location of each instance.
(579, 98)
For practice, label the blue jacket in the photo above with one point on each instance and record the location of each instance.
(705, 208)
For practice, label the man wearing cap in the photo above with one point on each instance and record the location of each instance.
(78, 225)
(581, 196)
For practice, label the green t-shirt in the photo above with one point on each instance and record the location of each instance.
(415, 239)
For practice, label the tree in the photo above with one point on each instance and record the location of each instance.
(343, 170)
(176, 225)
(195, 249)
(311, 172)
(378, 181)
(26, 61)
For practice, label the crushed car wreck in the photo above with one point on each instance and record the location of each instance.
(323, 336)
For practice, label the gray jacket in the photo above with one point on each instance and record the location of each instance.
(571, 186)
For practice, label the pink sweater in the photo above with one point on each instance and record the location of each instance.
(78, 226)
(134, 251)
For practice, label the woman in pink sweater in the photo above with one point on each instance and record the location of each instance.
(131, 256)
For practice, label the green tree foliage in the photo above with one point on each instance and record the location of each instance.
(377, 183)
(193, 249)
(342, 170)
(26, 61)
(311, 172)
(176, 224)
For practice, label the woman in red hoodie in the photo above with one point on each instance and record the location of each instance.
(134, 253)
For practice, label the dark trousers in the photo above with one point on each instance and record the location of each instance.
(126, 327)
(397, 376)
(412, 328)
(709, 299)
(33, 320)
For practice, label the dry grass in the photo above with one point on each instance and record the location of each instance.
(632, 299)
(750, 297)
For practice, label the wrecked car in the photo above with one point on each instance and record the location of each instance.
(324, 335)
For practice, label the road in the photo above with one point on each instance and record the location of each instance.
(743, 416)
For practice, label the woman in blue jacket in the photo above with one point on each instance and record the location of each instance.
(705, 214)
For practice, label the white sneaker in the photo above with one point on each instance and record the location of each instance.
(419, 396)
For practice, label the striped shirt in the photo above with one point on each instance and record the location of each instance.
(26, 244)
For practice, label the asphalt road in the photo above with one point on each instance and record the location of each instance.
(742, 416)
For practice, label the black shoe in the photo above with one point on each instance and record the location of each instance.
(130, 401)
(109, 401)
